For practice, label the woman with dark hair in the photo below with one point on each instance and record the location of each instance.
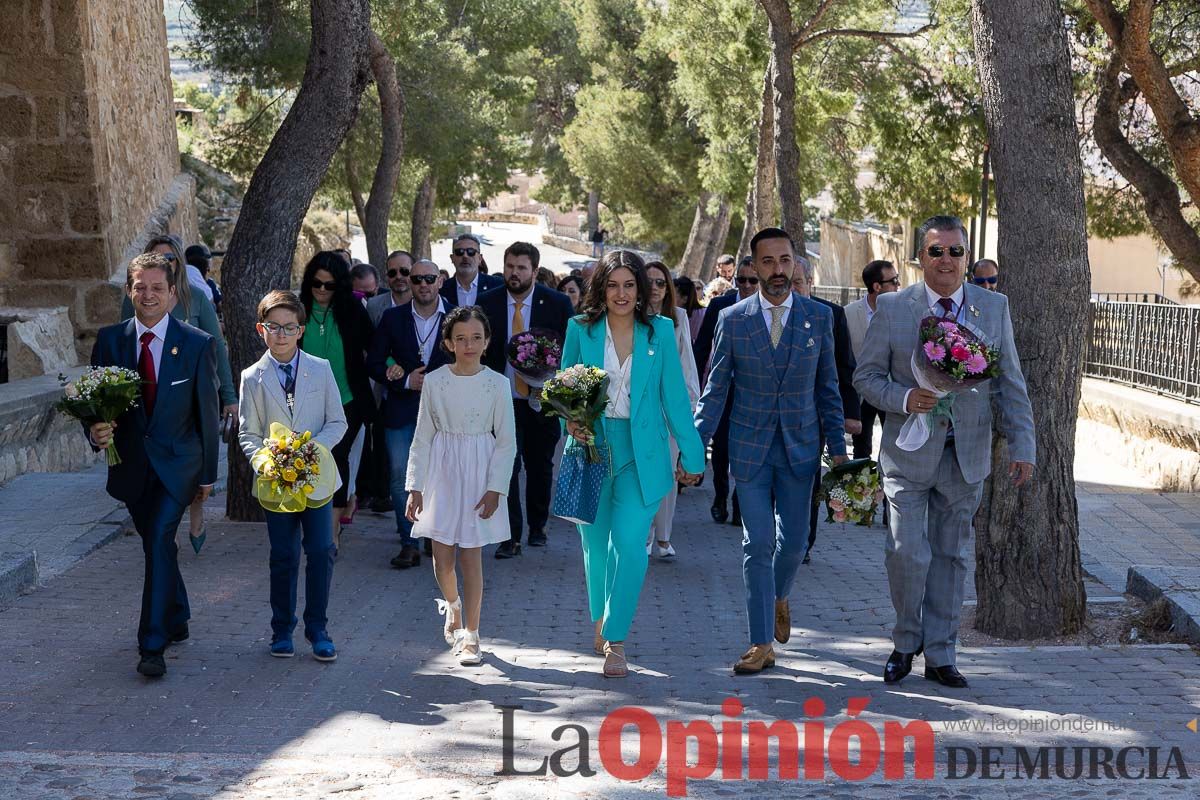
(193, 307)
(572, 287)
(688, 298)
(339, 331)
(616, 332)
(662, 302)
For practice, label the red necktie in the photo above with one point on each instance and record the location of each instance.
(146, 370)
(948, 304)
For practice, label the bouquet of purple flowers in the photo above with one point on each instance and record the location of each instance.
(535, 355)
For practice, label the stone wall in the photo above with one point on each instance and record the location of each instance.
(89, 163)
(33, 436)
(847, 247)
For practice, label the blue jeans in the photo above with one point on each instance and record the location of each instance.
(775, 534)
(311, 529)
(399, 442)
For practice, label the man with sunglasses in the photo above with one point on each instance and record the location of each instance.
(405, 347)
(469, 283)
(745, 285)
(880, 277)
(933, 491)
(399, 266)
(985, 273)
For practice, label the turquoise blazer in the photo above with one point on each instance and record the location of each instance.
(657, 394)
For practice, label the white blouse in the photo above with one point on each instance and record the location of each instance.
(618, 378)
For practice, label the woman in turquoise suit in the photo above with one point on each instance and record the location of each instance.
(646, 388)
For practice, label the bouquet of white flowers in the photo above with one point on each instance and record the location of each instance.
(101, 394)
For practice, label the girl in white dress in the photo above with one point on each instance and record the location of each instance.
(458, 470)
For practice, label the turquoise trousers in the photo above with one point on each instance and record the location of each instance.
(614, 546)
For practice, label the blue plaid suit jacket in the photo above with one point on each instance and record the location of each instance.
(801, 399)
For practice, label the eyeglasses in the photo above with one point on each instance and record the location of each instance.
(658, 283)
(891, 281)
(328, 286)
(986, 281)
(752, 281)
(169, 257)
(937, 251)
(288, 330)
(429, 280)
(470, 252)
(402, 270)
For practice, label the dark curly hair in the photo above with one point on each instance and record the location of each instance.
(343, 295)
(594, 305)
(463, 314)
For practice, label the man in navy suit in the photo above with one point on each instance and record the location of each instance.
(775, 351)
(467, 284)
(521, 305)
(746, 284)
(168, 442)
(406, 345)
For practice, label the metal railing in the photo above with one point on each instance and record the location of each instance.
(1132, 297)
(1151, 346)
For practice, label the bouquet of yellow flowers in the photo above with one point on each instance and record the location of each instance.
(293, 472)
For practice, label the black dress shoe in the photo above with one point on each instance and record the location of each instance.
(946, 676)
(409, 556)
(898, 665)
(807, 556)
(152, 665)
(736, 519)
(508, 549)
(719, 514)
(179, 635)
(537, 538)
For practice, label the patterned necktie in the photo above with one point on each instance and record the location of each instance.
(776, 325)
(948, 304)
(518, 326)
(146, 370)
(289, 387)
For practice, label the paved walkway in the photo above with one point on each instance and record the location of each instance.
(395, 717)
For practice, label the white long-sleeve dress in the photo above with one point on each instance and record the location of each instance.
(464, 446)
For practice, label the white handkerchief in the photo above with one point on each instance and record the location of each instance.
(176, 383)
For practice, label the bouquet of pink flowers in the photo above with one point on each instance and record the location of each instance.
(535, 355)
(851, 492)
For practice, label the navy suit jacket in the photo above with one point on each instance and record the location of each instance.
(396, 338)
(702, 347)
(551, 309)
(449, 290)
(843, 354)
(181, 440)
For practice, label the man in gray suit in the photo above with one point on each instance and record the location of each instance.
(934, 491)
(880, 277)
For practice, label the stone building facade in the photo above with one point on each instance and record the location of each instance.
(89, 168)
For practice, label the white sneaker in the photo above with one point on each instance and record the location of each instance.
(664, 552)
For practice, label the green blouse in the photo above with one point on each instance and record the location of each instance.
(323, 340)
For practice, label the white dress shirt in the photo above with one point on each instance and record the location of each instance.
(467, 296)
(618, 378)
(870, 313)
(156, 344)
(766, 311)
(196, 279)
(279, 372)
(526, 312)
(426, 329)
(936, 307)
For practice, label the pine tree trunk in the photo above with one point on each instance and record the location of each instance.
(1028, 576)
(422, 216)
(259, 256)
(762, 206)
(783, 90)
(593, 211)
(707, 236)
(391, 108)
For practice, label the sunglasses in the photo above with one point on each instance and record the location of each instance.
(751, 281)
(986, 281)
(470, 252)
(426, 279)
(402, 271)
(893, 282)
(169, 257)
(937, 251)
(658, 283)
(328, 286)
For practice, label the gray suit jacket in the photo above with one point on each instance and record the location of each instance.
(377, 305)
(317, 405)
(884, 376)
(856, 321)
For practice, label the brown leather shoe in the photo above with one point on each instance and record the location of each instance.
(755, 660)
(783, 621)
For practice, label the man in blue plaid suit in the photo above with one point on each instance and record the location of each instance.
(775, 350)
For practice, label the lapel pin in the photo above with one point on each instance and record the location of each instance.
(974, 311)
(810, 342)
(807, 324)
(650, 352)
(174, 351)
